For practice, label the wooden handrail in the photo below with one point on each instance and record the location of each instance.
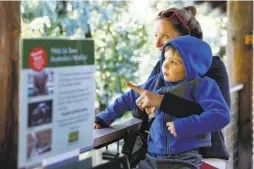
(236, 87)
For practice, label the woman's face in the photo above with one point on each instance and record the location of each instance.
(164, 32)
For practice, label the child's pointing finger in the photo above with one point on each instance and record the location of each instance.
(135, 88)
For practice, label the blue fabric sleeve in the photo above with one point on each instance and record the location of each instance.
(124, 103)
(216, 113)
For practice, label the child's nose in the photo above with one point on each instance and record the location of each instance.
(166, 64)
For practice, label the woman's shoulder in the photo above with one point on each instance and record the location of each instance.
(217, 62)
(217, 68)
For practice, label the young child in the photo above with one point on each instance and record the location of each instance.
(174, 142)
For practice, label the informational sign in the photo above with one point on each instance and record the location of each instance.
(57, 95)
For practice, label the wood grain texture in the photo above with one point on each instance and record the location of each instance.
(9, 73)
(240, 23)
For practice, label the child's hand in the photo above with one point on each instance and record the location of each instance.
(147, 99)
(171, 128)
(96, 126)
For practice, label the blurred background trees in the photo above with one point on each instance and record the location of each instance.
(123, 33)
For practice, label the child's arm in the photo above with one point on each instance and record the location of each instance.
(122, 104)
(216, 113)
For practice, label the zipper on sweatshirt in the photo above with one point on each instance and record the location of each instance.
(166, 133)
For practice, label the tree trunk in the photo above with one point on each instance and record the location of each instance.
(9, 79)
(240, 56)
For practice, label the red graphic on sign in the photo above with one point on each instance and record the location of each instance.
(38, 59)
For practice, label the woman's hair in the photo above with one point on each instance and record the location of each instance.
(187, 14)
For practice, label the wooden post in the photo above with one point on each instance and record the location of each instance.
(240, 56)
(9, 78)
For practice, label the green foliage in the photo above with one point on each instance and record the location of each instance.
(123, 39)
(117, 42)
(117, 37)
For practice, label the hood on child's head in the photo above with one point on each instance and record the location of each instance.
(195, 53)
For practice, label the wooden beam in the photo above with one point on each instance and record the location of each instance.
(9, 76)
(240, 55)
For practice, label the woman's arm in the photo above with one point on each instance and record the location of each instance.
(177, 106)
(219, 73)
(180, 106)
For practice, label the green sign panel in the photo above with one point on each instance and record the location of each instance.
(40, 53)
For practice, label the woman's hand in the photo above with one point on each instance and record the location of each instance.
(96, 126)
(171, 128)
(150, 110)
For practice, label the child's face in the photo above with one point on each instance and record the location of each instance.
(173, 67)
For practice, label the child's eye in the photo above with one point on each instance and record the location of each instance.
(173, 63)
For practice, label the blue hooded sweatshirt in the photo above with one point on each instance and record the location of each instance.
(193, 131)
